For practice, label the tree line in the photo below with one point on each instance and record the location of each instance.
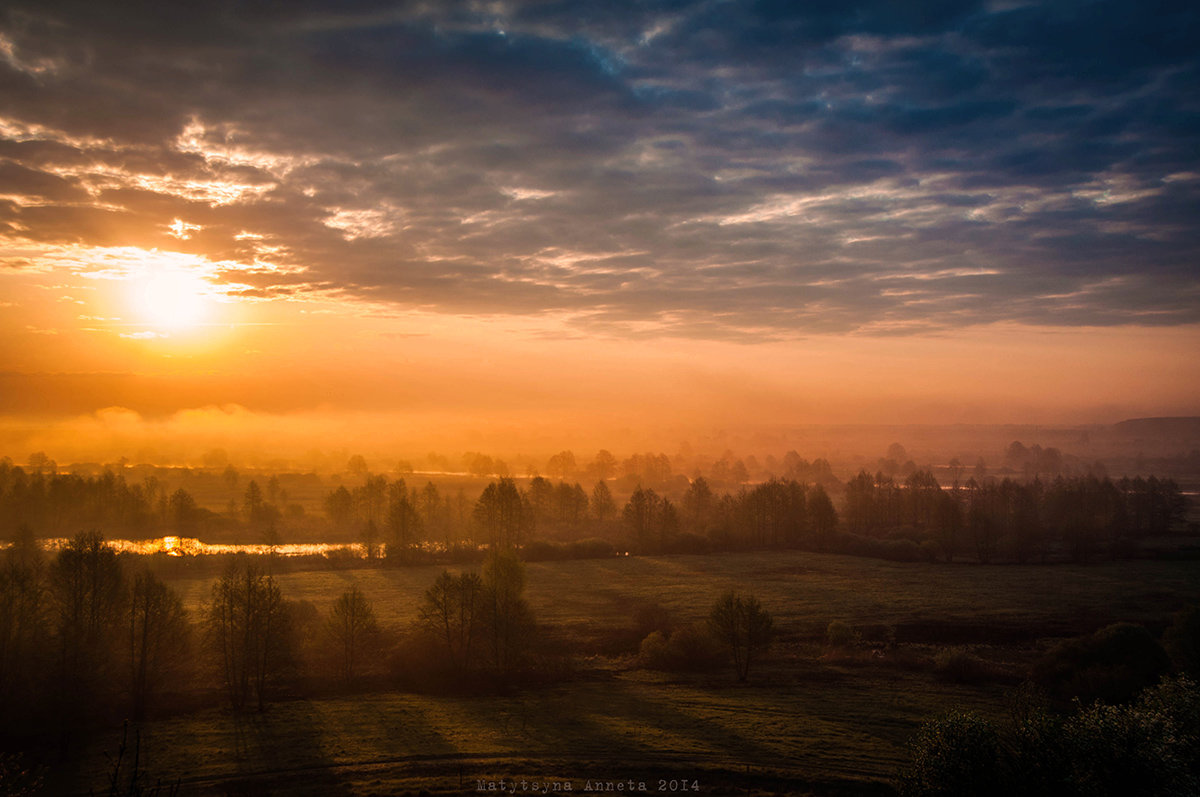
(914, 518)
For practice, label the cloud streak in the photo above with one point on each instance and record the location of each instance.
(700, 170)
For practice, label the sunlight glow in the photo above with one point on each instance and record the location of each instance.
(172, 299)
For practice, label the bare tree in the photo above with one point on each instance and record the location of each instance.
(743, 626)
(246, 629)
(353, 629)
(452, 612)
(159, 638)
(88, 591)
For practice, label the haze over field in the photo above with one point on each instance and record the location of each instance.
(528, 226)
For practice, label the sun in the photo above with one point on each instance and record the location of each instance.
(172, 299)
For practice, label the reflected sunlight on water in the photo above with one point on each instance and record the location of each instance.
(190, 546)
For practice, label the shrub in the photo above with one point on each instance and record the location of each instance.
(1149, 748)
(542, 551)
(955, 755)
(1112, 665)
(593, 548)
(1182, 641)
(651, 616)
(691, 647)
(653, 653)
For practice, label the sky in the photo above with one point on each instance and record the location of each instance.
(516, 225)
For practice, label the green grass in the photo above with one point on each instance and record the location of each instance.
(853, 729)
(804, 591)
(804, 722)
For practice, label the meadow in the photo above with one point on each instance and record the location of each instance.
(811, 719)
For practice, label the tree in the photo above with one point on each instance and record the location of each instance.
(432, 512)
(452, 612)
(603, 506)
(339, 507)
(641, 515)
(353, 628)
(403, 522)
(247, 633)
(88, 590)
(357, 465)
(561, 465)
(370, 540)
(262, 517)
(697, 505)
(24, 628)
(230, 476)
(743, 626)
(159, 638)
(184, 513)
(504, 514)
(604, 465)
(507, 619)
(821, 515)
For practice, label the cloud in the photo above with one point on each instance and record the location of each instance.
(685, 169)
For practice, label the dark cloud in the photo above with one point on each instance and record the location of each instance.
(695, 169)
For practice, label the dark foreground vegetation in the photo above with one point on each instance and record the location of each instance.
(308, 681)
(470, 640)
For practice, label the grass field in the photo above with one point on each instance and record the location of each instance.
(804, 591)
(808, 721)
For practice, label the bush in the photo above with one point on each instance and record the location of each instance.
(895, 550)
(691, 647)
(1182, 641)
(958, 754)
(651, 616)
(840, 635)
(1150, 748)
(542, 551)
(592, 549)
(546, 551)
(960, 666)
(1112, 665)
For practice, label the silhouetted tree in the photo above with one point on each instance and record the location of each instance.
(561, 465)
(604, 465)
(403, 522)
(25, 643)
(159, 638)
(508, 621)
(185, 515)
(88, 590)
(504, 514)
(743, 626)
(821, 515)
(339, 507)
(353, 629)
(698, 505)
(246, 627)
(641, 517)
(453, 613)
(603, 506)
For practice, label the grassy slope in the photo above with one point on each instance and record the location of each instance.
(809, 719)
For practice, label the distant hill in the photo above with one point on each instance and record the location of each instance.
(1160, 427)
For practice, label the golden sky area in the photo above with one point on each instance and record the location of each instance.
(510, 230)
